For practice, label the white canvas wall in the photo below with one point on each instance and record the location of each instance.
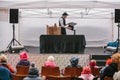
(97, 31)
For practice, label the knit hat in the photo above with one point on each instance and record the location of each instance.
(33, 70)
(86, 70)
(74, 61)
(23, 56)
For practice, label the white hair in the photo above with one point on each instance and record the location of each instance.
(51, 58)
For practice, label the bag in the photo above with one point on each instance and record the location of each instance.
(113, 44)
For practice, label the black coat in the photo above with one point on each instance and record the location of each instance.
(109, 70)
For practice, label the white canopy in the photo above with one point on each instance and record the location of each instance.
(37, 4)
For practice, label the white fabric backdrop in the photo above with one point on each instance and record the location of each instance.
(97, 31)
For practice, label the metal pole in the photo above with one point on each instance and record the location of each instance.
(74, 32)
(118, 36)
(13, 34)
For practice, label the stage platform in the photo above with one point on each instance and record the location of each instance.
(88, 50)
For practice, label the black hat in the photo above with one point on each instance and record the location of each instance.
(65, 14)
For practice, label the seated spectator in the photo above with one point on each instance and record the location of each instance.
(112, 67)
(24, 59)
(109, 60)
(74, 62)
(50, 62)
(116, 59)
(86, 74)
(108, 71)
(3, 62)
(33, 73)
(5, 74)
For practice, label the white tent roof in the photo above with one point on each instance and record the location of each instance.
(37, 4)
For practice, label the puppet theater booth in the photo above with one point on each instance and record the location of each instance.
(54, 42)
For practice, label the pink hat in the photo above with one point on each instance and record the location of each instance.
(86, 70)
(23, 56)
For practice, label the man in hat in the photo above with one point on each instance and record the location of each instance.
(62, 23)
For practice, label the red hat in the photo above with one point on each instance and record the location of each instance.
(23, 56)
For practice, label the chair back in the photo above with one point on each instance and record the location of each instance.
(108, 78)
(72, 71)
(95, 71)
(59, 78)
(23, 70)
(46, 71)
(18, 77)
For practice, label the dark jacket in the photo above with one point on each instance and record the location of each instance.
(5, 74)
(109, 70)
(24, 63)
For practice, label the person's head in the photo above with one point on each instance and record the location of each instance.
(3, 59)
(65, 15)
(86, 70)
(74, 61)
(23, 56)
(50, 58)
(92, 63)
(116, 58)
(109, 57)
(33, 70)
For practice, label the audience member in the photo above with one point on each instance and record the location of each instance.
(113, 67)
(3, 62)
(116, 59)
(24, 59)
(108, 71)
(5, 74)
(86, 73)
(50, 62)
(74, 62)
(33, 73)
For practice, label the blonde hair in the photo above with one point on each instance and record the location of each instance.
(93, 60)
(50, 58)
(3, 57)
(116, 59)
